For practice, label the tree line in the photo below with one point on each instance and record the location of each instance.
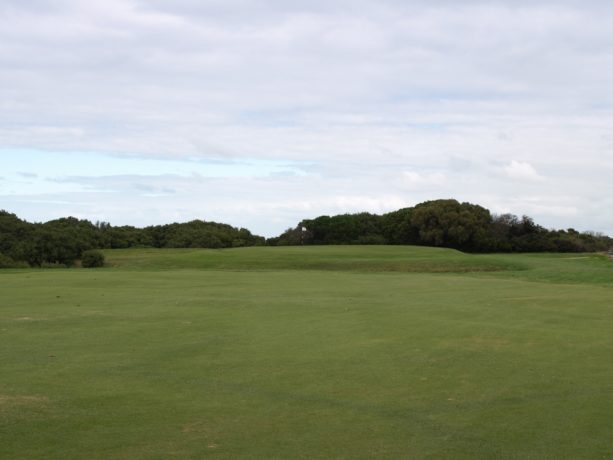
(63, 241)
(445, 223)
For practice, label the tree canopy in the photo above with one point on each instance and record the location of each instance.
(445, 223)
(62, 241)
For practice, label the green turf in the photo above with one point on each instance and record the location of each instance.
(337, 258)
(320, 352)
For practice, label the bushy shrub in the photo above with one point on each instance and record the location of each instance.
(370, 239)
(92, 259)
(53, 265)
(6, 261)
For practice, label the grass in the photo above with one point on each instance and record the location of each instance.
(337, 258)
(320, 352)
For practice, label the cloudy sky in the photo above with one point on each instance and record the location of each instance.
(261, 113)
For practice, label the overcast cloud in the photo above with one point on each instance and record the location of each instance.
(261, 113)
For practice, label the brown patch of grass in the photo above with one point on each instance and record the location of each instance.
(8, 401)
(478, 343)
(204, 431)
(196, 427)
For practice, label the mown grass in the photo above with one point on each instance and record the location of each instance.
(261, 353)
(337, 258)
(559, 268)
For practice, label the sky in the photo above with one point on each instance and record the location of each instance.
(262, 113)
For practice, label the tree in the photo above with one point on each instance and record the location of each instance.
(92, 259)
(451, 224)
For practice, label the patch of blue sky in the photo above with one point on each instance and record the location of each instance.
(19, 164)
(33, 172)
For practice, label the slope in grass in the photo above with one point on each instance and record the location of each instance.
(558, 268)
(340, 258)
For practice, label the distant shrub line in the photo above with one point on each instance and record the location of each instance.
(66, 240)
(444, 223)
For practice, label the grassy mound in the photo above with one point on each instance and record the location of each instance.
(338, 258)
(558, 268)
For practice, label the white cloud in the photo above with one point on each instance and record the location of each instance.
(416, 179)
(454, 94)
(523, 171)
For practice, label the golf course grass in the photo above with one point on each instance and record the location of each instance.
(337, 352)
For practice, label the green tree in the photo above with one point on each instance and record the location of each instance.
(451, 224)
(92, 259)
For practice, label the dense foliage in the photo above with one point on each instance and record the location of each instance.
(446, 223)
(62, 241)
(92, 259)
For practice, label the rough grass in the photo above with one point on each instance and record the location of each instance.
(263, 356)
